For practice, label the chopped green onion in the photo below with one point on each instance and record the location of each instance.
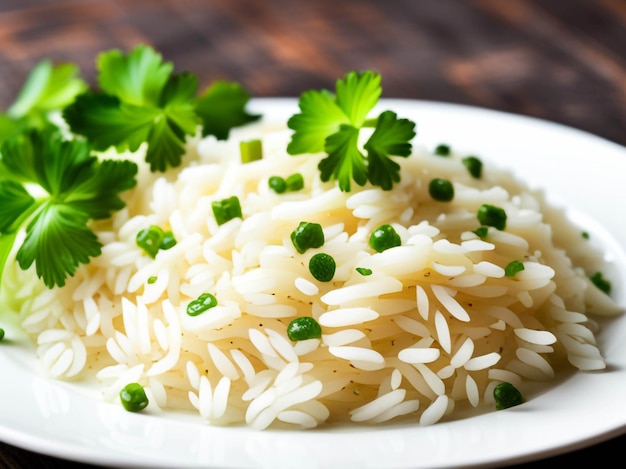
(599, 281)
(251, 150)
(152, 239)
(322, 266)
(506, 395)
(364, 271)
(304, 328)
(441, 190)
(482, 232)
(383, 238)
(226, 209)
(513, 268)
(168, 241)
(201, 304)
(152, 279)
(442, 150)
(133, 397)
(490, 215)
(295, 182)
(474, 166)
(149, 239)
(307, 235)
(1, 333)
(585, 235)
(277, 184)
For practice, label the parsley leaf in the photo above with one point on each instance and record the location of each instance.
(47, 88)
(391, 137)
(222, 107)
(319, 117)
(345, 162)
(143, 101)
(332, 124)
(74, 188)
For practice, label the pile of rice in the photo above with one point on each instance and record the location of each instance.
(433, 329)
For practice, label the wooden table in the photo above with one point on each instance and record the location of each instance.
(560, 60)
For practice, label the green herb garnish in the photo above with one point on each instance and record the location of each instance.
(153, 239)
(74, 187)
(201, 304)
(142, 101)
(226, 209)
(332, 124)
(48, 88)
(251, 150)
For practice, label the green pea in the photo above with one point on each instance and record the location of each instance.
(322, 266)
(304, 328)
(599, 281)
(133, 397)
(295, 182)
(1, 333)
(383, 238)
(513, 268)
(442, 150)
(277, 184)
(307, 235)
(364, 271)
(474, 166)
(201, 304)
(506, 395)
(482, 232)
(585, 235)
(441, 190)
(226, 209)
(490, 215)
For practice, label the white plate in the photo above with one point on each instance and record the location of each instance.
(584, 172)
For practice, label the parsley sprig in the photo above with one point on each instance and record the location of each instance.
(47, 89)
(52, 188)
(332, 123)
(53, 184)
(142, 100)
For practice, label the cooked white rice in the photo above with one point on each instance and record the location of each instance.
(434, 327)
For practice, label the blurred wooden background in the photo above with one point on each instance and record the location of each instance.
(560, 60)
